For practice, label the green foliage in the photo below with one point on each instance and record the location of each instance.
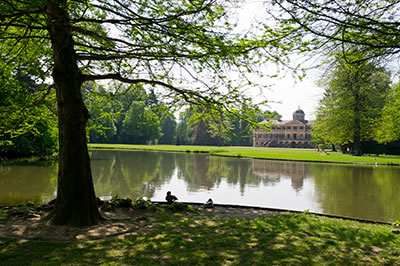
(389, 125)
(27, 125)
(168, 129)
(336, 26)
(143, 204)
(125, 116)
(184, 130)
(396, 223)
(140, 125)
(176, 206)
(144, 53)
(351, 105)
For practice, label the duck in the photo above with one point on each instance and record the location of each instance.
(170, 198)
(209, 204)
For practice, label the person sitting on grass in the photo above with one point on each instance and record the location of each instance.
(170, 198)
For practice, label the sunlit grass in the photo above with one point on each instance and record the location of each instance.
(263, 153)
(191, 239)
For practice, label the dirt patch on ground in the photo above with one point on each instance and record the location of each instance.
(118, 223)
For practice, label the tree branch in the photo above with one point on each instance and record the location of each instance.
(186, 94)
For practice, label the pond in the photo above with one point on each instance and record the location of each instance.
(367, 192)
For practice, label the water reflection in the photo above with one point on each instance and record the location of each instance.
(273, 171)
(357, 191)
(127, 174)
(371, 192)
(26, 182)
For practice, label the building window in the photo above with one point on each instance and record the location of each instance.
(301, 127)
(288, 127)
(294, 128)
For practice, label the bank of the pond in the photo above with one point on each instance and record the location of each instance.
(301, 155)
(176, 237)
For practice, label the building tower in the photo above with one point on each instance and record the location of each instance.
(299, 115)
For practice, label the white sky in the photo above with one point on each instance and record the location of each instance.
(287, 95)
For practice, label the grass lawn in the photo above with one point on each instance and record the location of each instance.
(263, 153)
(193, 239)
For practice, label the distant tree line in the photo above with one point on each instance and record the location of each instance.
(127, 115)
(134, 116)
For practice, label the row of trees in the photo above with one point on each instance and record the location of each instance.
(133, 116)
(124, 114)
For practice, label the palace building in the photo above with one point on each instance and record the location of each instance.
(295, 133)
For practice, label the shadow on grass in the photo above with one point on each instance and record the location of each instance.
(178, 239)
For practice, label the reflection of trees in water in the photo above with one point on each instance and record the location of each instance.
(101, 164)
(165, 172)
(118, 181)
(23, 182)
(272, 172)
(184, 165)
(130, 174)
(239, 172)
(135, 174)
(139, 173)
(198, 171)
(358, 191)
(205, 172)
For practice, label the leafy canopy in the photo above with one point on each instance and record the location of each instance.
(189, 50)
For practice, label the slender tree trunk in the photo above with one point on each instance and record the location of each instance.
(333, 147)
(76, 203)
(357, 114)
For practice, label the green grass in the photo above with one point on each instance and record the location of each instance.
(193, 239)
(264, 153)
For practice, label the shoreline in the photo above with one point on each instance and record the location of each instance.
(218, 151)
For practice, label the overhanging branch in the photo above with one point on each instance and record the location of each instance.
(188, 95)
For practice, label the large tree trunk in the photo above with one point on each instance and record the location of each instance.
(76, 203)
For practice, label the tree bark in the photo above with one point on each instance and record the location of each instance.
(357, 114)
(333, 147)
(76, 202)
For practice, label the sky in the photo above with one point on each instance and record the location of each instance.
(286, 96)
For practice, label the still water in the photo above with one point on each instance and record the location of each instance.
(367, 192)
